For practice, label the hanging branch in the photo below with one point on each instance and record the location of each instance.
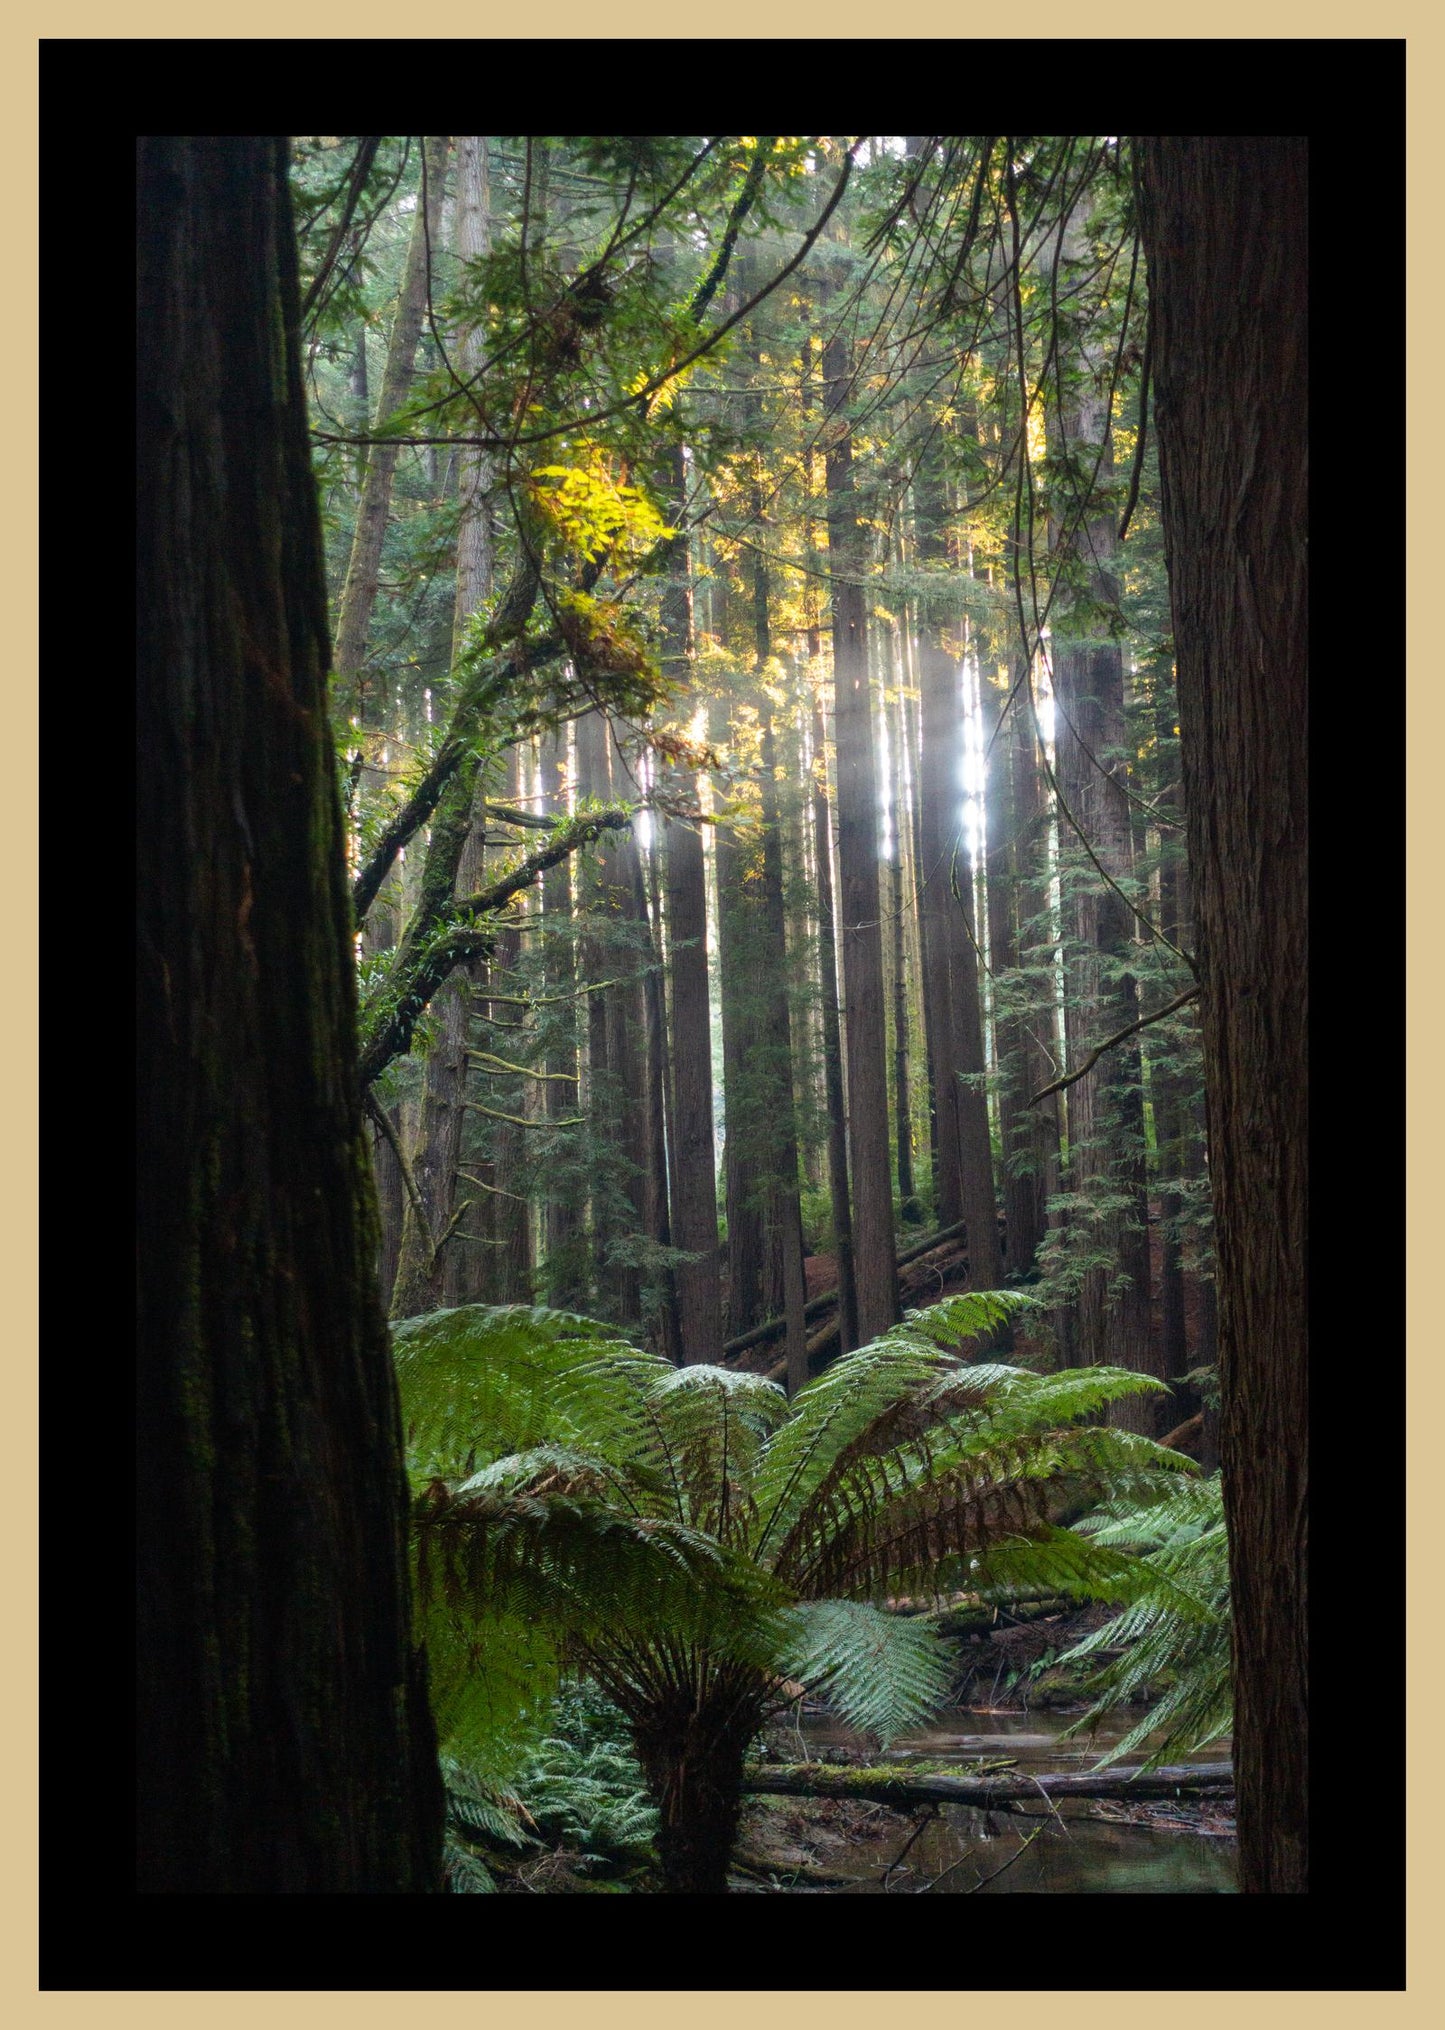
(360, 169)
(379, 1115)
(707, 288)
(589, 419)
(1130, 1029)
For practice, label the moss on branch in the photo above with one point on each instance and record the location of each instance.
(444, 934)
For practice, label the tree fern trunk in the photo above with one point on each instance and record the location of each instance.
(692, 1760)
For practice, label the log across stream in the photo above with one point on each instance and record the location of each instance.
(934, 1822)
(895, 1784)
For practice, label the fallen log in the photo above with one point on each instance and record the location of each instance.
(901, 1786)
(816, 1306)
(817, 1346)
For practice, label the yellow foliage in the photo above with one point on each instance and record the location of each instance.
(595, 514)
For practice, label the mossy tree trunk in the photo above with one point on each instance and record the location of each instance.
(285, 1743)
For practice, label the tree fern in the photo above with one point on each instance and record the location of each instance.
(700, 1545)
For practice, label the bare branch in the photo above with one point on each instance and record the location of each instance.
(1130, 1029)
(379, 1115)
(360, 170)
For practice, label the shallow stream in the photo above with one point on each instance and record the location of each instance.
(1060, 1849)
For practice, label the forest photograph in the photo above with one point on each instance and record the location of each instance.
(722, 942)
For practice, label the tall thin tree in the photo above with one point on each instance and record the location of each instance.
(862, 947)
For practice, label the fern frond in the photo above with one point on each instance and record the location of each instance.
(955, 1322)
(1059, 1561)
(560, 1550)
(479, 1809)
(491, 1681)
(716, 1423)
(483, 1380)
(590, 1799)
(1176, 1513)
(1187, 1648)
(874, 1383)
(972, 1457)
(882, 1673)
(585, 1504)
(463, 1873)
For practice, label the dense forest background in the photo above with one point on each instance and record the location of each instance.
(865, 829)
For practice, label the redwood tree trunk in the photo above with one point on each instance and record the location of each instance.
(694, 1183)
(428, 1258)
(1225, 234)
(1013, 795)
(875, 1278)
(691, 1150)
(565, 1280)
(284, 1739)
(744, 964)
(953, 1011)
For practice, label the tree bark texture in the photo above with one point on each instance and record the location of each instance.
(744, 955)
(428, 1259)
(898, 888)
(616, 1100)
(471, 241)
(785, 1209)
(1106, 1107)
(657, 1202)
(624, 900)
(284, 1739)
(511, 1227)
(692, 1156)
(780, 1152)
(694, 1166)
(1225, 234)
(1028, 1135)
(691, 1749)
